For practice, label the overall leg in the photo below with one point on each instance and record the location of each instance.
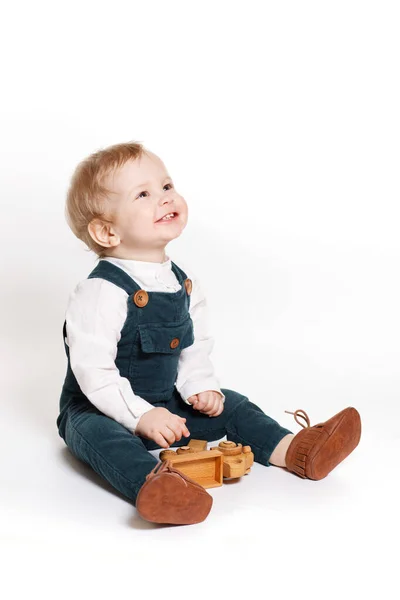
(110, 449)
(241, 421)
(312, 453)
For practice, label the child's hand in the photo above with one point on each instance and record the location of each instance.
(209, 403)
(162, 426)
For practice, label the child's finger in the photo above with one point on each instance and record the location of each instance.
(217, 409)
(160, 440)
(210, 407)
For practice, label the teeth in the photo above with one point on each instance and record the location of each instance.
(169, 216)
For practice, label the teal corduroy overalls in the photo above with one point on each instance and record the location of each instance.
(158, 327)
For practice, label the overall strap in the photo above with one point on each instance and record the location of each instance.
(110, 272)
(106, 270)
(180, 274)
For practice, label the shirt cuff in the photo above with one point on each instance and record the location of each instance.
(196, 387)
(135, 420)
(136, 405)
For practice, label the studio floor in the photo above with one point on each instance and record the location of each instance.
(270, 531)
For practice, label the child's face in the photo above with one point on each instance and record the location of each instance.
(138, 208)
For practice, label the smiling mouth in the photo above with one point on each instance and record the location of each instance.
(163, 219)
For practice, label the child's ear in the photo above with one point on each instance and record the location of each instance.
(103, 233)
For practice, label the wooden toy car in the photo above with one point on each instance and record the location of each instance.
(210, 467)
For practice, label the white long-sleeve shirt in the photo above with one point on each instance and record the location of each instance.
(95, 315)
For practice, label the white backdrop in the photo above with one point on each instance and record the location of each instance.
(279, 124)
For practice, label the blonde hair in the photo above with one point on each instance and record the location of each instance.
(87, 195)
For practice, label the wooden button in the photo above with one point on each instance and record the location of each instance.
(141, 298)
(174, 343)
(188, 286)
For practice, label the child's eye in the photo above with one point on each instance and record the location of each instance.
(147, 192)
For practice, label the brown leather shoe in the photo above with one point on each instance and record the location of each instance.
(315, 451)
(169, 496)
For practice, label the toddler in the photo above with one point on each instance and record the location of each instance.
(139, 375)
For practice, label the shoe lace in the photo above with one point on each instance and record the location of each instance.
(166, 465)
(160, 467)
(302, 414)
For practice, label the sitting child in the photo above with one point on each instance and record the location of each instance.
(139, 376)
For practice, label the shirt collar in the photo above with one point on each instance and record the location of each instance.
(139, 268)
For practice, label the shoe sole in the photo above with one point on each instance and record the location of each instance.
(338, 444)
(167, 499)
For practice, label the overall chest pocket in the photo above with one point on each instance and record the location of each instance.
(166, 338)
(154, 364)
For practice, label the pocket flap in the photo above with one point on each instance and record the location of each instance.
(158, 337)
